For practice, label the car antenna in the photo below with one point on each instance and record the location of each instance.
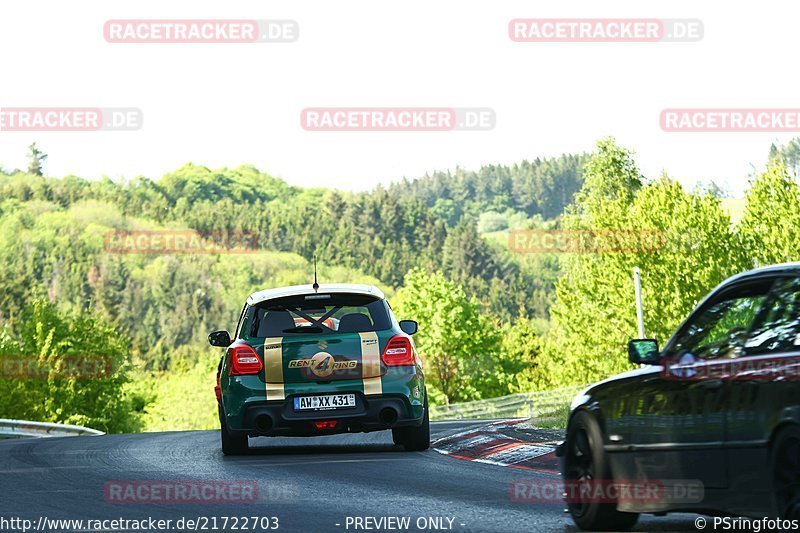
(315, 286)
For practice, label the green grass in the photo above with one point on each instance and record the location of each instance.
(555, 419)
(181, 398)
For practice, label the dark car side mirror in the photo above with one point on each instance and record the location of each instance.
(219, 338)
(643, 351)
(409, 326)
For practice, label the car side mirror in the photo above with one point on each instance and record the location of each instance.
(409, 326)
(643, 351)
(219, 338)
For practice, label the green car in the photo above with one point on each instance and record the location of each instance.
(317, 360)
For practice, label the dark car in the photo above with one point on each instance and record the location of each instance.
(317, 360)
(712, 420)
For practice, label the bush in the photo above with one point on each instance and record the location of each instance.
(65, 368)
(492, 221)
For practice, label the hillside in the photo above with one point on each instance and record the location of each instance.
(61, 242)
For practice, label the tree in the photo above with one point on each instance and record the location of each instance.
(36, 159)
(458, 345)
(447, 210)
(65, 368)
(711, 188)
(788, 154)
(521, 347)
(492, 221)
(541, 186)
(771, 217)
(466, 255)
(611, 180)
(683, 243)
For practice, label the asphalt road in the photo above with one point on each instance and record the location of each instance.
(310, 484)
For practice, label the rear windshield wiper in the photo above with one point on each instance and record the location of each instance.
(304, 329)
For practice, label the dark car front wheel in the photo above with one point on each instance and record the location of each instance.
(586, 464)
(785, 459)
(415, 439)
(232, 443)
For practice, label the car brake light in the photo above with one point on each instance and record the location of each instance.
(326, 424)
(398, 351)
(244, 360)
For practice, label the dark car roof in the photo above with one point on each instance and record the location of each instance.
(781, 268)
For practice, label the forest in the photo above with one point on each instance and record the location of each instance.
(437, 245)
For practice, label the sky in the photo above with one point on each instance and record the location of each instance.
(224, 104)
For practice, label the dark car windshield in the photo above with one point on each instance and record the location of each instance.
(319, 314)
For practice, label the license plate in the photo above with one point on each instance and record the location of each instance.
(324, 403)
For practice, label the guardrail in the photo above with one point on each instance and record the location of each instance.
(550, 406)
(26, 428)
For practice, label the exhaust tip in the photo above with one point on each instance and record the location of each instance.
(263, 422)
(388, 416)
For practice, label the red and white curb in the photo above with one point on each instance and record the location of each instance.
(487, 444)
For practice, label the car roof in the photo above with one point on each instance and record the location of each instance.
(780, 268)
(294, 290)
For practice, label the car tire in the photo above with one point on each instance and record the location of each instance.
(785, 470)
(399, 436)
(232, 443)
(415, 439)
(585, 460)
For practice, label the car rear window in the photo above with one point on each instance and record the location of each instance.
(319, 314)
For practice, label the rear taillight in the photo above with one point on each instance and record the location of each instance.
(244, 360)
(325, 424)
(398, 352)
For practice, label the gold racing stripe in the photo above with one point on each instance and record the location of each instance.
(273, 368)
(370, 363)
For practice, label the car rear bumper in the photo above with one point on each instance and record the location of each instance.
(371, 413)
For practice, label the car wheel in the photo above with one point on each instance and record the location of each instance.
(785, 459)
(415, 439)
(232, 443)
(585, 462)
(398, 436)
